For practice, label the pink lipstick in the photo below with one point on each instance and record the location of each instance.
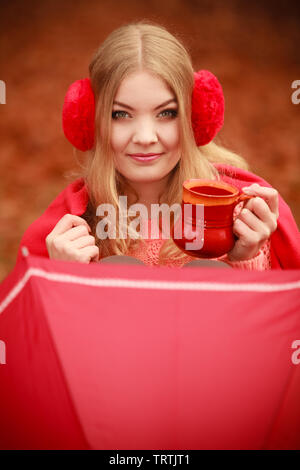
(145, 157)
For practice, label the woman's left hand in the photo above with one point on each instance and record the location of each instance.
(255, 223)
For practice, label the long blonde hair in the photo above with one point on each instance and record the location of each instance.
(143, 46)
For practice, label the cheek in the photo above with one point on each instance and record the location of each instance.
(119, 138)
(169, 136)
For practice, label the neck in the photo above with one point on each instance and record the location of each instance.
(148, 192)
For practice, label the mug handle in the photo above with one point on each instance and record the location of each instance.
(244, 197)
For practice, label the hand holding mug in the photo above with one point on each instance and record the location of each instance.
(255, 223)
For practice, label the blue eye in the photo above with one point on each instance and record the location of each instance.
(119, 114)
(169, 113)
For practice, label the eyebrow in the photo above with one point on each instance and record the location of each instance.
(172, 100)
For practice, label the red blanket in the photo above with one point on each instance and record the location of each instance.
(285, 241)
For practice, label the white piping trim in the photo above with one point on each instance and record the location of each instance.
(145, 284)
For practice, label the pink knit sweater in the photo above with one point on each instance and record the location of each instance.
(148, 252)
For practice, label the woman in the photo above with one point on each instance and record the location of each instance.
(147, 123)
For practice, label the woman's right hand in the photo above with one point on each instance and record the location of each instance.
(70, 241)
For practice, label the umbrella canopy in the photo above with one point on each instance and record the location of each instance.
(134, 357)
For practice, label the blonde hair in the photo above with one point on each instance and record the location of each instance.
(143, 46)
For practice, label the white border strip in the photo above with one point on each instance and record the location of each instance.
(146, 284)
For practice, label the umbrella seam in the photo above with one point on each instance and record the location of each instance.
(145, 284)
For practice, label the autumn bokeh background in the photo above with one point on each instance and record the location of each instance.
(252, 47)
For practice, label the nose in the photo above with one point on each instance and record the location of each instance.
(145, 133)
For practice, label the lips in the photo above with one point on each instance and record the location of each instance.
(145, 157)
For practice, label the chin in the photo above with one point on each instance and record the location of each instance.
(143, 179)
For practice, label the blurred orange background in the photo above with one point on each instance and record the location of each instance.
(253, 49)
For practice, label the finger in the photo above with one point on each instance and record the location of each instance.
(66, 222)
(263, 212)
(82, 242)
(89, 253)
(248, 238)
(248, 244)
(262, 229)
(74, 233)
(95, 258)
(259, 207)
(270, 195)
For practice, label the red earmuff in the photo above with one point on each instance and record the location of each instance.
(207, 107)
(78, 115)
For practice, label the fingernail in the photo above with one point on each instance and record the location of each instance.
(252, 186)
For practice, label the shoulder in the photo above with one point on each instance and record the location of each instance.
(238, 176)
(72, 200)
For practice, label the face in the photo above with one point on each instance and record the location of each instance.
(145, 128)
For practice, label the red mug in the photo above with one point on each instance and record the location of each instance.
(206, 233)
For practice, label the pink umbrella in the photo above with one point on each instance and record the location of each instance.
(133, 357)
